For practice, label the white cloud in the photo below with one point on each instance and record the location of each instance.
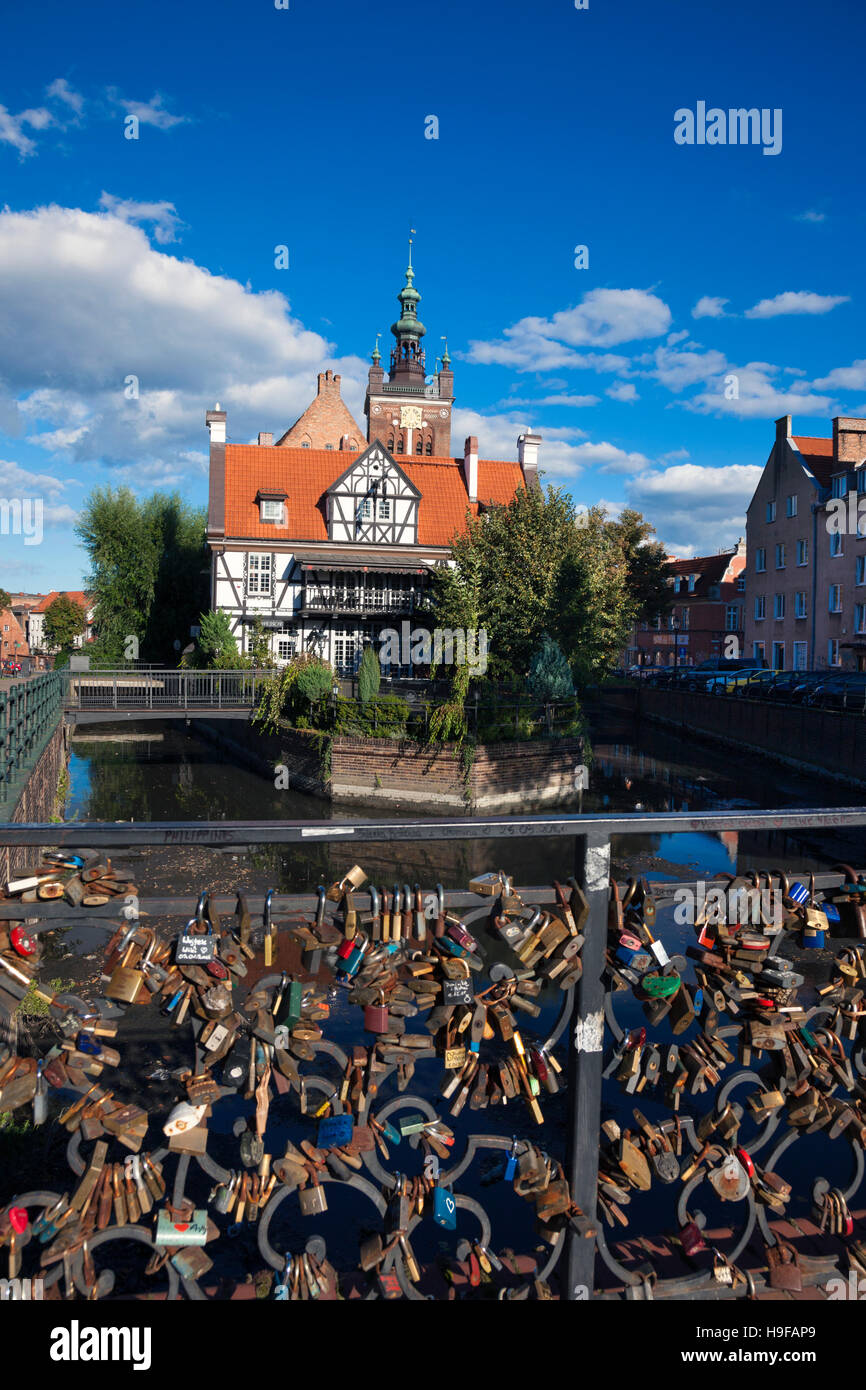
(604, 318)
(559, 457)
(61, 90)
(851, 378)
(163, 215)
(696, 510)
(12, 128)
(709, 307)
(810, 215)
(575, 401)
(679, 369)
(89, 301)
(758, 397)
(16, 481)
(796, 302)
(150, 112)
(622, 391)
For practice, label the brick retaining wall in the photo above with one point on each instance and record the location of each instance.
(37, 801)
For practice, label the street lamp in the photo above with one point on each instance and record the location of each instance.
(675, 627)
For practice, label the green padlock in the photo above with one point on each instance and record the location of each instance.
(660, 986)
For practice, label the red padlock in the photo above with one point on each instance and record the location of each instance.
(217, 970)
(22, 941)
(345, 948)
(18, 1219)
(376, 1016)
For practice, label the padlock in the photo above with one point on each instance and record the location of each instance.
(376, 1015)
(444, 1208)
(313, 1200)
(22, 942)
(193, 947)
(127, 981)
(731, 1180)
(269, 930)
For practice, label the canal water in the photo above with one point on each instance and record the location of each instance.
(163, 772)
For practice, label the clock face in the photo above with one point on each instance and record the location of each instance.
(377, 410)
(410, 417)
(444, 414)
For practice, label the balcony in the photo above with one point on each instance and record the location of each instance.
(363, 603)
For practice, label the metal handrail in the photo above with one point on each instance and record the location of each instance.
(29, 713)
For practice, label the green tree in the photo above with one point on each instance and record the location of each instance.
(64, 621)
(258, 646)
(528, 568)
(647, 572)
(215, 645)
(5, 599)
(369, 675)
(148, 570)
(592, 611)
(549, 673)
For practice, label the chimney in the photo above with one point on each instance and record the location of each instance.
(329, 385)
(783, 429)
(740, 548)
(266, 438)
(216, 422)
(470, 467)
(527, 456)
(849, 440)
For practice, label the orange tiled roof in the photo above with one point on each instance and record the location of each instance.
(75, 594)
(817, 455)
(306, 474)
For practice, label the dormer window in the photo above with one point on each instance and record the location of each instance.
(693, 579)
(272, 508)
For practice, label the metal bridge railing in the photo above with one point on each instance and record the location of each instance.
(162, 689)
(29, 713)
(582, 1017)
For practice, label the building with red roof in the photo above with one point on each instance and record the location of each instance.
(706, 614)
(333, 533)
(806, 532)
(36, 618)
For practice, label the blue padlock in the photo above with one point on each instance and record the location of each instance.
(86, 1042)
(813, 938)
(335, 1131)
(511, 1165)
(444, 1208)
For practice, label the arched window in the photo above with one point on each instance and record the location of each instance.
(391, 443)
(419, 447)
(401, 445)
(429, 446)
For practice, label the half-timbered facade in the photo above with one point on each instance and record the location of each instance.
(328, 542)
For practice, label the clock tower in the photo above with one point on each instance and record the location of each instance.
(408, 413)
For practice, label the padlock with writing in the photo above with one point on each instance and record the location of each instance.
(376, 1015)
(313, 1200)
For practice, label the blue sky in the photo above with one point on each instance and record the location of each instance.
(305, 127)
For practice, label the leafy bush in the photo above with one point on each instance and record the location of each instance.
(315, 678)
(383, 717)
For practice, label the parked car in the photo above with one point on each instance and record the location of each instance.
(792, 686)
(844, 690)
(756, 685)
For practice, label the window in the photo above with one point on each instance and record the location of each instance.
(714, 592)
(259, 571)
(760, 609)
(384, 509)
(835, 542)
(693, 579)
(741, 584)
(861, 478)
(391, 444)
(771, 511)
(838, 486)
(791, 506)
(305, 444)
(835, 605)
(860, 618)
(833, 658)
(285, 648)
(365, 510)
(778, 656)
(676, 585)
(419, 447)
(685, 619)
(861, 570)
(429, 447)
(760, 560)
(345, 650)
(800, 656)
(758, 651)
(732, 617)
(271, 510)
(778, 606)
(800, 604)
(802, 552)
(780, 557)
(329, 446)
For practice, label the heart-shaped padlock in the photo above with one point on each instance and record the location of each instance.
(731, 1180)
(22, 941)
(18, 1219)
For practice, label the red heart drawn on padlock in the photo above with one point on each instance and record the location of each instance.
(18, 1219)
(181, 1226)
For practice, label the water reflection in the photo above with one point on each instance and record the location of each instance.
(165, 772)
